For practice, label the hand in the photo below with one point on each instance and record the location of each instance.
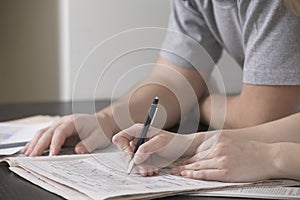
(69, 130)
(224, 157)
(161, 149)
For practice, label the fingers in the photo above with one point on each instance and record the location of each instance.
(200, 165)
(202, 170)
(207, 174)
(80, 148)
(59, 137)
(94, 141)
(153, 145)
(40, 143)
(55, 135)
(25, 148)
(30, 145)
(123, 139)
(146, 170)
(203, 155)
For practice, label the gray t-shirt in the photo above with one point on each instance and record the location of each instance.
(262, 36)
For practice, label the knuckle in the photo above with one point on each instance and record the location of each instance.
(68, 119)
(223, 161)
(226, 175)
(161, 138)
(217, 151)
(144, 149)
(137, 126)
(198, 165)
(115, 139)
(58, 131)
(220, 149)
(41, 132)
(38, 147)
(123, 148)
(200, 175)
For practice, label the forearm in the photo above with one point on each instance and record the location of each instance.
(133, 108)
(283, 130)
(255, 105)
(172, 84)
(219, 111)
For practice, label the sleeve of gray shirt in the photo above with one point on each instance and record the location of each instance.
(272, 44)
(189, 42)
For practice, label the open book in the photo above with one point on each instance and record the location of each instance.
(103, 176)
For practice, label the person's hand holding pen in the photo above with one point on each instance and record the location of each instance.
(160, 149)
(143, 135)
(216, 155)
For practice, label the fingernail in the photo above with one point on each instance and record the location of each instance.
(79, 150)
(183, 173)
(51, 153)
(174, 170)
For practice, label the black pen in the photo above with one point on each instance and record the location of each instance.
(144, 132)
(12, 145)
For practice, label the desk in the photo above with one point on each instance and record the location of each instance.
(12, 187)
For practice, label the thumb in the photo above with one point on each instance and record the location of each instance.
(150, 147)
(80, 148)
(94, 141)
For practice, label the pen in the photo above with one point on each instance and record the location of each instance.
(12, 145)
(144, 132)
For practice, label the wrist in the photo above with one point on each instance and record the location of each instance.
(196, 140)
(107, 122)
(277, 164)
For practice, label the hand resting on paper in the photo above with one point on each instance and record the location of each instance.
(224, 157)
(81, 130)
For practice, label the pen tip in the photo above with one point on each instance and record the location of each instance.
(155, 101)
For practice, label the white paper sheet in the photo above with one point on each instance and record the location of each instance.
(257, 192)
(13, 133)
(102, 176)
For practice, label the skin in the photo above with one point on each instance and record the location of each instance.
(240, 155)
(255, 105)
(172, 84)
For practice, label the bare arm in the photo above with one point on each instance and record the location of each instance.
(265, 151)
(255, 105)
(282, 130)
(238, 160)
(177, 88)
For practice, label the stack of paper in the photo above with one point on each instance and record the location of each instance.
(17, 134)
(103, 176)
(263, 192)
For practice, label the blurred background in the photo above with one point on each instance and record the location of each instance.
(43, 43)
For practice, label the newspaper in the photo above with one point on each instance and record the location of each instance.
(264, 192)
(104, 176)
